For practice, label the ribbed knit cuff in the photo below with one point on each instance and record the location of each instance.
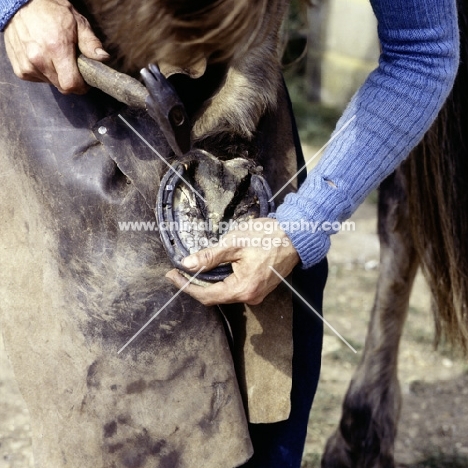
(311, 246)
(311, 216)
(8, 8)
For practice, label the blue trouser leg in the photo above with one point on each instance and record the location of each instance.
(280, 445)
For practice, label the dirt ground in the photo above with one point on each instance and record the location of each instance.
(433, 430)
(434, 426)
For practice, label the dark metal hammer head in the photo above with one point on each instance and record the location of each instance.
(165, 106)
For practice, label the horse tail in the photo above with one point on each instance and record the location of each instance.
(438, 204)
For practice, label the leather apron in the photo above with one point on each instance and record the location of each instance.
(75, 287)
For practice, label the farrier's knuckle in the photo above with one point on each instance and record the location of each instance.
(35, 57)
(24, 73)
(81, 21)
(205, 302)
(207, 256)
(250, 294)
(66, 90)
(69, 86)
(54, 45)
(68, 19)
(253, 299)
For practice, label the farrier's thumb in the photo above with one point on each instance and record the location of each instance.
(88, 43)
(209, 258)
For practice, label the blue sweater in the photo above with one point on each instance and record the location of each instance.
(7, 9)
(386, 118)
(392, 111)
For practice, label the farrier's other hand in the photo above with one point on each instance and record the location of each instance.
(252, 278)
(41, 42)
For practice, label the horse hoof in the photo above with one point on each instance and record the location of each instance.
(336, 453)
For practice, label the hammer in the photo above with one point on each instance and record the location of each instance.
(158, 98)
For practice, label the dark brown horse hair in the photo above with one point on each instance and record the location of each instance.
(180, 32)
(438, 200)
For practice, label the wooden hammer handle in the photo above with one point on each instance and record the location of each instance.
(122, 87)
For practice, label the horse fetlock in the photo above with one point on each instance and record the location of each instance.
(337, 453)
(367, 430)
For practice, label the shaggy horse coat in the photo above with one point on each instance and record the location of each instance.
(422, 222)
(74, 287)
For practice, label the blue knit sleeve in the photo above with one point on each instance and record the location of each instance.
(386, 118)
(7, 10)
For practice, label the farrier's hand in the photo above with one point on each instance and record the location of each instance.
(41, 42)
(252, 279)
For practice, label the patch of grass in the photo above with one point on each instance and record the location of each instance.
(412, 311)
(426, 337)
(373, 197)
(442, 461)
(315, 121)
(311, 460)
(419, 335)
(344, 354)
(448, 350)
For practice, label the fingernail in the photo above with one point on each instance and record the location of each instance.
(101, 52)
(190, 262)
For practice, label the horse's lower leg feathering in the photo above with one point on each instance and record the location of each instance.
(422, 220)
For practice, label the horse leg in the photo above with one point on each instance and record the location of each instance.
(366, 434)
